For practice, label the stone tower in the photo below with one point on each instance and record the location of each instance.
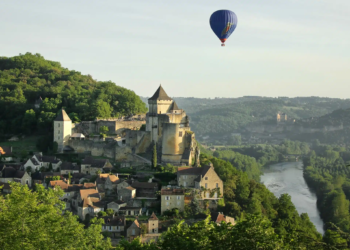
(159, 103)
(62, 129)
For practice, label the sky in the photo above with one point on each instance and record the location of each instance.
(279, 48)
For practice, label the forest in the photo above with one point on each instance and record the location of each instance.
(327, 172)
(26, 78)
(226, 115)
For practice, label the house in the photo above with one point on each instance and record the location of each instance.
(122, 184)
(219, 217)
(145, 189)
(133, 231)
(114, 225)
(68, 167)
(11, 174)
(6, 153)
(127, 193)
(79, 178)
(116, 205)
(152, 226)
(204, 178)
(130, 210)
(172, 198)
(92, 166)
(14, 138)
(88, 203)
(46, 161)
(33, 164)
(108, 182)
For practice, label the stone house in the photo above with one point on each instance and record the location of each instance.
(89, 203)
(107, 182)
(127, 193)
(152, 225)
(122, 184)
(6, 153)
(145, 189)
(204, 178)
(116, 205)
(68, 167)
(130, 210)
(92, 166)
(34, 164)
(46, 160)
(114, 225)
(172, 198)
(11, 174)
(133, 231)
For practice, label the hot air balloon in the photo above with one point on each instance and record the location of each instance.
(223, 23)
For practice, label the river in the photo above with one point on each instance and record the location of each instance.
(287, 177)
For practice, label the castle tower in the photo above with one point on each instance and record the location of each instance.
(159, 103)
(62, 128)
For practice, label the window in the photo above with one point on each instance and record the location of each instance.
(206, 178)
(27, 182)
(184, 183)
(59, 131)
(178, 203)
(59, 138)
(185, 176)
(133, 232)
(206, 185)
(178, 197)
(167, 198)
(180, 134)
(167, 203)
(59, 125)
(217, 185)
(68, 194)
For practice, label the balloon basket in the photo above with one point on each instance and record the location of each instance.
(222, 45)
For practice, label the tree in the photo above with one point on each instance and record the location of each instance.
(103, 131)
(35, 220)
(29, 121)
(102, 109)
(110, 211)
(154, 158)
(54, 147)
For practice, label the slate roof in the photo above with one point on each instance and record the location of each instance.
(62, 116)
(69, 166)
(129, 208)
(116, 221)
(150, 185)
(160, 95)
(34, 161)
(153, 217)
(193, 171)
(96, 163)
(174, 106)
(8, 172)
(50, 159)
(5, 185)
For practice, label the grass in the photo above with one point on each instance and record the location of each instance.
(26, 144)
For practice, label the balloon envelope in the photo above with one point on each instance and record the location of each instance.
(223, 23)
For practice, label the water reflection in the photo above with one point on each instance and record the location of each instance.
(287, 177)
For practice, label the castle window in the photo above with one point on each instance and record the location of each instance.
(206, 178)
(180, 134)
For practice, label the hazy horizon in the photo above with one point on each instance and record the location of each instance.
(290, 48)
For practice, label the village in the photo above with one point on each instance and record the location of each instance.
(140, 202)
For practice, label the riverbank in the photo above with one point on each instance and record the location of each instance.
(287, 177)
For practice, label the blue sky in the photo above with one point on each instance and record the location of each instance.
(280, 48)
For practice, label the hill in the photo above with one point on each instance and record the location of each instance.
(26, 78)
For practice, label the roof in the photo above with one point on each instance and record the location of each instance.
(153, 217)
(51, 159)
(218, 217)
(62, 116)
(130, 188)
(130, 208)
(172, 192)
(78, 135)
(60, 183)
(8, 172)
(69, 166)
(193, 171)
(85, 193)
(116, 221)
(5, 150)
(34, 161)
(97, 163)
(89, 185)
(174, 106)
(160, 95)
(137, 184)
(5, 185)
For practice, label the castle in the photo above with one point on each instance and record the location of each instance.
(167, 127)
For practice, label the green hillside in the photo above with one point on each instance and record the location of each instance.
(26, 78)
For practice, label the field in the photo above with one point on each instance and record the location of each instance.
(27, 144)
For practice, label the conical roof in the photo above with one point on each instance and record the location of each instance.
(153, 217)
(62, 116)
(174, 106)
(160, 95)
